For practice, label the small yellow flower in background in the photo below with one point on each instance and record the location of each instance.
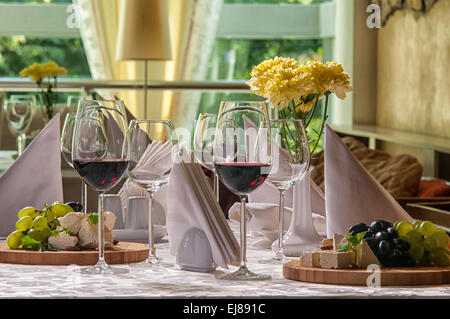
(279, 80)
(38, 71)
(328, 78)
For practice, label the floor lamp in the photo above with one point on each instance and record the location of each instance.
(143, 34)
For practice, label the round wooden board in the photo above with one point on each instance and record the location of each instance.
(358, 277)
(122, 253)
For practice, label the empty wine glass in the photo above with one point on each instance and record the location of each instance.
(242, 159)
(150, 165)
(203, 144)
(66, 151)
(19, 114)
(290, 162)
(100, 155)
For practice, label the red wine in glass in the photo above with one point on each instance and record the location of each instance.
(101, 174)
(242, 178)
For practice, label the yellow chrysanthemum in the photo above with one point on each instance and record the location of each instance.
(38, 71)
(279, 80)
(328, 78)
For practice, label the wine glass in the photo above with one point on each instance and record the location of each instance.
(100, 155)
(150, 165)
(19, 113)
(203, 144)
(242, 159)
(290, 162)
(66, 151)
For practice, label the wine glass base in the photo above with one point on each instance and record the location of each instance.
(243, 274)
(275, 260)
(151, 262)
(103, 269)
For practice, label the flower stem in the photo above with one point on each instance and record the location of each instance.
(324, 119)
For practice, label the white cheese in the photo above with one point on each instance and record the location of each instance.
(62, 240)
(337, 240)
(72, 221)
(336, 260)
(88, 235)
(365, 256)
(310, 258)
(110, 220)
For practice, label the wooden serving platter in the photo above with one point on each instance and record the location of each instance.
(122, 253)
(358, 277)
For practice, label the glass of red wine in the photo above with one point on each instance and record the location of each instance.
(150, 166)
(242, 159)
(100, 155)
(290, 163)
(66, 151)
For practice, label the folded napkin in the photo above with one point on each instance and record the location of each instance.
(352, 194)
(34, 179)
(193, 205)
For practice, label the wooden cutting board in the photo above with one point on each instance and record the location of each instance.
(358, 277)
(122, 253)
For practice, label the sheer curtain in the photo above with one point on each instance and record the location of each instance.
(194, 63)
(192, 24)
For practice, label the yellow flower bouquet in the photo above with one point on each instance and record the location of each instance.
(297, 89)
(38, 72)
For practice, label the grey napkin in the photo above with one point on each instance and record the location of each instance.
(34, 179)
(352, 194)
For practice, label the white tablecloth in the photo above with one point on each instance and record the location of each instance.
(62, 282)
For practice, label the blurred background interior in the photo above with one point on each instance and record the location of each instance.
(202, 52)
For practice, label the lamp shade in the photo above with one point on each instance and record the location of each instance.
(143, 31)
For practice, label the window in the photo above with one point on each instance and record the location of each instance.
(26, 38)
(251, 31)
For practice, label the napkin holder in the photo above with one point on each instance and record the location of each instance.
(194, 252)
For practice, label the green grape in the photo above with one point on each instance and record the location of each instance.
(404, 228)
(396, 224)
(39, 223)
(440, 257)
(413, 237)
(427, 228)
(442, 238)
(417, 251)
(416, 224)
(27, 211)
(430, 244)
(24, 223)
(35, 234)
(61, 209)
(14, 239)
(425, 260)
(50, 215)
(45, 233)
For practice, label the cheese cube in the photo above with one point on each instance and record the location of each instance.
(310, 258)
(337, 240)
(336, 260)
(365, 256)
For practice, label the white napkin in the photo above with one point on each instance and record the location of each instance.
(193, 204)
(264, 216)
(34, 179)
(352, 194)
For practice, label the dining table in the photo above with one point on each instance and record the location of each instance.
(42, 281)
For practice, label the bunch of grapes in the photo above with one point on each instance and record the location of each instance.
(34, 226)
(429, 243)
(403, 244)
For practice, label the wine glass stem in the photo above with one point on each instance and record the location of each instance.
(243, 233)
(216, 186)
(279, 253)
(101, 231)
(21, 139)
(151, 238)
(84, 196)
